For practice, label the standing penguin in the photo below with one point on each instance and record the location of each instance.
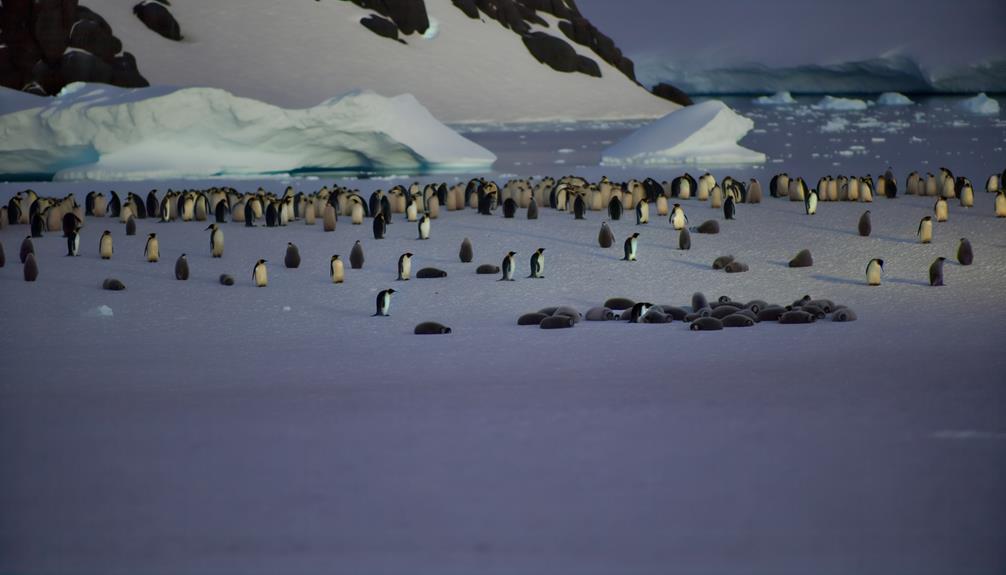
(260, 274)
(27, 247)
(131, 226)
(729, 208)
(73, 242)
(965, 255)
(152, 251)
(105, 245)
(30, 268)
(873, 271)
(810, 203)
(865, 227)
(579, 207)
(424, 227)
(532, 209)
(508, 266)
(356, 256)
(380, 226)
(292, 257)
(384, 303)
(605, 237)
(630, 246)
(336, 270)
(925, 231)
(936, 272)
(404, 266)
(614, 209)
(1001, 204)
(678, 218)
(3, 256)
(684, 239)
(642, 212)
(538, 263)
(181, 268)
(249, 214)
(216, 240)
(467, 253)
(37, 225)
(941, 209)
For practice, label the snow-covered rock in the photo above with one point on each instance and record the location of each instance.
(778, 99)
(833, 104)
(706, 133)
(981, 105)
(94, 131)
(894, 99)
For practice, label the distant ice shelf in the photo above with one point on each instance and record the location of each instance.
(706, 133)
(99, 132)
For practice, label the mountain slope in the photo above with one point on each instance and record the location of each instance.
(299, 54)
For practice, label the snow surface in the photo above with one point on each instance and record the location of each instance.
(894, 99)
(778, 99)
(704, 133)
(202, 428)
(301, 53)
(833, 104)
(100, 132)
(981, 105)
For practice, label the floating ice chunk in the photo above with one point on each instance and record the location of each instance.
(777, 99)
(894, 99)
(834, 104)
(103, 132)
(705, 133)
(835, 125)
(100, 311)
(981, 105)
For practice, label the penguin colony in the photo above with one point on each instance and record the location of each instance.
(423, 204)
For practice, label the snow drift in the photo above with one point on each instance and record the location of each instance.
(99, 132)
(981, 105)
(778, 99)
(706, 133)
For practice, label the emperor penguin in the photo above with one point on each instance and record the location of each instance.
(936, 272)
(260, 274)
(467, 253)
(873, 271)
(509, 266)
(356, 256)
(538, 263)
(865, 227)
(412, 210)
(73, 242)
(941, 210)
(580, 208)
(925, 231)
(249, 214)
(292, 257)
(630, 247)
(605, 237)
(404, 266)
(384, 303)
(336, 270)
(37, 225)
(380, 226)
(967, 195)
(216, 240)
(678, 218)
(729, 208)
(532, 209)
(105, 245)
(1001, 204)
(642, 212)
(810, 203)
(152, 250)
(424, 227)
(614, 209)
(965, 254)
(181, 268)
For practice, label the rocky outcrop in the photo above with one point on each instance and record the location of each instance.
(669, 92)
(559, 55)
(409, 16)
(380, 26)
(157, 16)
(46, 44)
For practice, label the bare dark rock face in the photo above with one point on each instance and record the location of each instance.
(158, 17)
(380, 26)
(554, 52)
(669, 92)
(47, 44)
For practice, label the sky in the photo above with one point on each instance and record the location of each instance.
(709, 33)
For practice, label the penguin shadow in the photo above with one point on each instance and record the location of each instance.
(778, 263)
(905, 281)
(698, 266)
(836, 280)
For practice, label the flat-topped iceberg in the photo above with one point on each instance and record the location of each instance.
(706, 133)
(833, 104)
(100, 132)
(894, 99)
(981, 105)
(777, 99)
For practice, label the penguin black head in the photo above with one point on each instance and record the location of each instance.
(880, 262)
(408, 254)
(390, 290)
(635, 235)
(335, 257)
(151, 235)
(940, 259)
(511, 254)
(181, 256)
(210, 227)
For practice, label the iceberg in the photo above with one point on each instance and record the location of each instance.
(705, 133)
(833, 104)
(894, 99)
(778, 99)
(981, 105)
(100, 132)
